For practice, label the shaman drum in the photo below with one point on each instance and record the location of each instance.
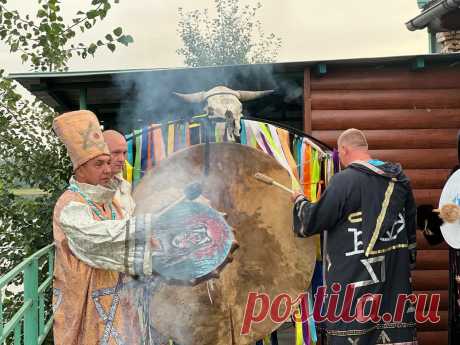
(270, 258)
(451, 195)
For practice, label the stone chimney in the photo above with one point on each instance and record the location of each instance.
(449, 41)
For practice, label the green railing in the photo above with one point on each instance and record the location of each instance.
(29, 323)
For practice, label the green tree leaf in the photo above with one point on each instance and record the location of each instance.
(118, 31)
(125, 40)
(92, 49)
(41, 13)
(92, 14)
(111, 47)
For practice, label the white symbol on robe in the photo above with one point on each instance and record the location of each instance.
(374, 279)
(356, 242)
(353, 342)
(383, 338)
(329, 262)
(397, 227)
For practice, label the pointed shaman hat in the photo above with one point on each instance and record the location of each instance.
(81, 134)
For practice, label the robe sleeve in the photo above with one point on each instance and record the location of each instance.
(117, 245)
(313, 218)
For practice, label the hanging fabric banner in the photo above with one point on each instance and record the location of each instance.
(170, 147)
(149, 148)
(138, 156)
(158, 144)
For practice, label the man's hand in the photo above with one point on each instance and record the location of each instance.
(295, 195)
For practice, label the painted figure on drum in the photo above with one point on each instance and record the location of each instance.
(367, 217)
(194, 239)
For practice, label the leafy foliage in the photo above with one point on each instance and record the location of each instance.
(30, 154)
(234, 36)
(46, 42)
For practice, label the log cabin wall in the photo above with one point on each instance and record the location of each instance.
(409, 116)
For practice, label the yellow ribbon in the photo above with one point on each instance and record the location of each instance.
(170, 139)
(315, 175)
(128, 172)
(298, 328)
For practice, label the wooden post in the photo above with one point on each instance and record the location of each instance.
(307, 128)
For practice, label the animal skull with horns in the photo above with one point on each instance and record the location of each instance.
(225, 103)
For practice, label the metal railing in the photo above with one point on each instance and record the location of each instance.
(28, 325)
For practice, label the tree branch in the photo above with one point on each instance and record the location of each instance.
(19, 18)
(80, 21)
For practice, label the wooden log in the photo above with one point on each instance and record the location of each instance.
(430, 279)
(386, 99)
(444, 305)
(442, 325)
(432, 259)
(385, 119)
(387, 79)
(399, 138)
(427, 196)
(307, 116)
(432, 337)
(419, 158)
(422, 243)
(427, 178)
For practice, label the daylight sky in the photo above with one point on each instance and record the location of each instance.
(309, 29)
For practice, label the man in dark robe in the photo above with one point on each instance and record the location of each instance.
(367, 216)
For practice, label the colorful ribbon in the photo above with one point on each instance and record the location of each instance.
(138, 156)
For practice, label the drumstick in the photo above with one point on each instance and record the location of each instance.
(191, 192)
(268, 180)
(170, 206)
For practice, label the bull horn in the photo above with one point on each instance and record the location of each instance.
(250, 95)
(196, 97)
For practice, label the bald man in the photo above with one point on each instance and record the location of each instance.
(367, 216)
(118, 150)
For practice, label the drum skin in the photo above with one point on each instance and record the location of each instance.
(270, 258)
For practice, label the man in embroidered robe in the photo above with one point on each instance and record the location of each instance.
(118, 148)
(367, 216)
(94, 242)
